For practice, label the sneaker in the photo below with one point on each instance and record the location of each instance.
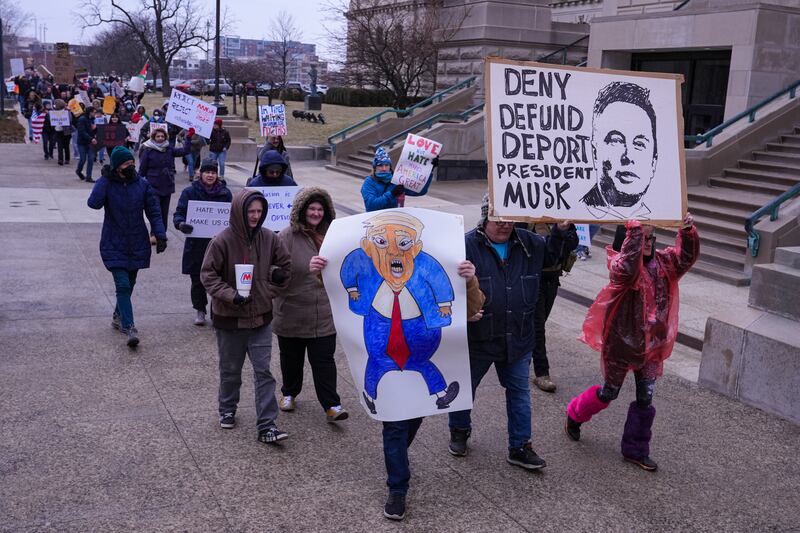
(336, 413)
(544, 383)
(200, 319)
(227, 421)
(395, 508)
(526, 458)
(116, 322)
(272, 435)
(645, 463)
(458, 442)
(287, 403)
(573, 429)
(133, 336)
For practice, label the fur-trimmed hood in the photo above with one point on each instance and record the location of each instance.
(304, 197)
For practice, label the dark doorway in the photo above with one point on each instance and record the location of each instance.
(705, 83)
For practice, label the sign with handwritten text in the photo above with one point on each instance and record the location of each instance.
(416, 162)
(189, 112)
(280, 200)
(207, 218)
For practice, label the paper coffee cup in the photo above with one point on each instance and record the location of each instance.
(244, 279)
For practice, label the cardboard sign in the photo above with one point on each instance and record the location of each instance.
(584, 237)
(112, 134)
(190, 112)
(272, 119)
(75, 107)
(59, 118)
(415, 164)
(207, 218)
(109, 105)
(17, 66)
(63, 70)
(280, 200)
(134, 130)
(581, 144)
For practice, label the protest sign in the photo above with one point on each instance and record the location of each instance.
(59, 118)
(584, 237)
(75, 107)
(62, 64)
(207, 218)
(362, 279)
(272, 119)
(190, 112)
(280, 200)
(134, 130)
(17, 66)
(415, 165)
(99, 121)
(158, 126)
(83, 96)
(567, 143)
(111, 135)
(10, 86)
(109, 105)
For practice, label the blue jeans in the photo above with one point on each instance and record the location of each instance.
(219, 157)
(397, 437)
(190, 163)
(101, 154)
(514, 378)
(86, 152)
(124, 280)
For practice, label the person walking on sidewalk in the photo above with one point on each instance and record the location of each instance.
(379, 192)
(87, 131)
(275, 142)
(218, 145)
(271, 172)
(508, 262)
(303, 317)
(125, 198)
(633, 323)
(62, 135)
(243, 323)
(209, 188)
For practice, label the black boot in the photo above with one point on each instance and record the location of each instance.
(573, 429)
(458, 441)
(637, 435)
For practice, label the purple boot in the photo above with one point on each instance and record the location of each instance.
(637, 435)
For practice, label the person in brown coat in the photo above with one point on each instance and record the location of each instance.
(243, 323)
(303, 318)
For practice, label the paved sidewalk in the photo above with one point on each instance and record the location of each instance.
(96, 437)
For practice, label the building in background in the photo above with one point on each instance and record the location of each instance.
(304, 56)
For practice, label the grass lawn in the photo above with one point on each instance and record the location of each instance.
(300, 132)
(11, 131)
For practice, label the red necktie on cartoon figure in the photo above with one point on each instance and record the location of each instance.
(397, 348)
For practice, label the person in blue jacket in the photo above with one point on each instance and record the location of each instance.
(124, 246)
(271, 171)
(87, 143)
(378, 190)
(209, 188)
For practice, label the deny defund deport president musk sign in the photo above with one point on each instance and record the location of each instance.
(588, 145)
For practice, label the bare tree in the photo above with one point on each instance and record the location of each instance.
(239, 74)
(392, 44)
(162, 27)
(116, 49)
(14, 19)
(285, 47)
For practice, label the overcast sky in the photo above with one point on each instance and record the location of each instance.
(251, 19)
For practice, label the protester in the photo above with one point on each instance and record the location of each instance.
(195, 154)
(275, 142)
(114, 134)
(303, 318)
(379, 192)
(508, 262)
(157, 164)
(633, 323)
(209, 188)
(242, 323)
(271, 172)
(62, 135)
(124, 247)
(87, 130)
(33, 100)
(100, 148)
(218, 145)
(48, 133)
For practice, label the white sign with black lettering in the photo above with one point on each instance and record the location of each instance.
(207, 218)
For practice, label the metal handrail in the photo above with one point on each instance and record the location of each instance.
(403, 112)
(708, 136)
(679, 6)
(771, 208)
(563, 51)
(427, 123)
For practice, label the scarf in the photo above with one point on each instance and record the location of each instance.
(316, 237)
(214, 189)
(161, 147)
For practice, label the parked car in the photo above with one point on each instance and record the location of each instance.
(224, 87)
(263, 89)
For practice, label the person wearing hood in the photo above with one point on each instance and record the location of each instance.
(271, 171)
(125, 197)
(218, 145)
(209, 188)
(303, 318)
(157, 164)
(275, 142)
(379, 192)
(633, 323)
(243, 323)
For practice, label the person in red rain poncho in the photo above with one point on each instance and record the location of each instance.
(633, 323)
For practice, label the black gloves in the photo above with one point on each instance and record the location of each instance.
(279, 276)
(435, 162)
(185, 228)
(242, 300)
(161, 245)
(397, 190)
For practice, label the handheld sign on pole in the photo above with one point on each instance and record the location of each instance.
(17, 66)
(272, 119)
(207, 218)
(415, 165)
(583, 144)
(190, 112)
(63, 70)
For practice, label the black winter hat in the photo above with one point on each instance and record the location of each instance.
(209, 165)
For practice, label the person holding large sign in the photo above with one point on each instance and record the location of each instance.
(209, 188)
(379, 192)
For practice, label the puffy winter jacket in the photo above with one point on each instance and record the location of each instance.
(159, 167)
(271, 157)
(220, 140)
(378, 194)
(85, 131)
(193, 248)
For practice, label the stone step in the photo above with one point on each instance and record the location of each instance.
(711, 210)
(791, 139)
(364, 170)
(730, 198)
(361, 158)
(781, 147)
(349, 172)
(776, 288)
(792, 168)
(778, 157)
(735, 229)
(747, 185)
(788, 256)
(762, 176)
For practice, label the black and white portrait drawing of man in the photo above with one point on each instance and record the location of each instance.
(625, 152)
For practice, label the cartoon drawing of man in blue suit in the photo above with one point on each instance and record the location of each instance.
(405, 298)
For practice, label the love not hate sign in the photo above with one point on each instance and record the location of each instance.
(416, 162)
(583, 144)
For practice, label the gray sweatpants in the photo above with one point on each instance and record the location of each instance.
(233, 345)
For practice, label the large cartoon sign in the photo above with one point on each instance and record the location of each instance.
(400, 309)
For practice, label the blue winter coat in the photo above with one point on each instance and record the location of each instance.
(378, 194)
(267, 158)
(193, 248)
(125, 239)
(85, 131)
(159, 167)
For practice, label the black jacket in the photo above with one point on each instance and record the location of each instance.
(505, 333)
(193, 248)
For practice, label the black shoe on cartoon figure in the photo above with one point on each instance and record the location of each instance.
(450, 394)
(370, 403)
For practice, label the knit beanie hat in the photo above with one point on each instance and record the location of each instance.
(119, 155)
(218, 122)
(484, 211)
(381, 158)
(209, 165)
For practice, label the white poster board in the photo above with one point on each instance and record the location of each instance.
(134, 130)
(272, 119)
(59, 118)
(17, 66)
(415, 165)
(207, 218)
(580, 144)
(406, 351)
(189, 112)
(584, 237)
(83, 96)
(280, 200)
(158, 126)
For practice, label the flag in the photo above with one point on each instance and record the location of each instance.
(37, 123)
(137, 82)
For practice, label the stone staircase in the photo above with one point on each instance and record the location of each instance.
(243, 148)
(358, 164)
(721, 207)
